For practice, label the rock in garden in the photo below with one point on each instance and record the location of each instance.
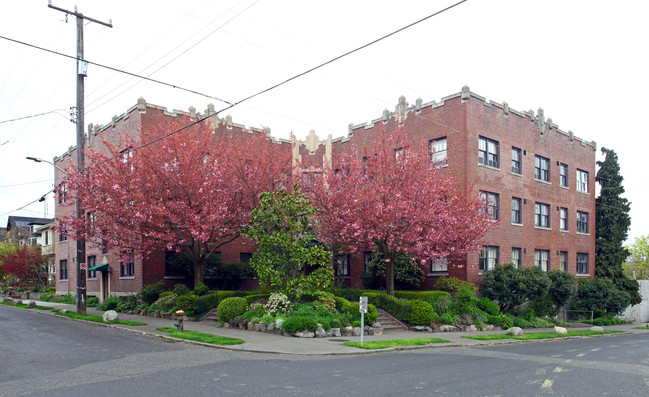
(8, 300)
(597, 329)
(561, 330)
(471, 328)
(348, 331)
(270, 328)
(63, 311)
(320, 332)
(357, 331)
(376, 324)
(429, 329)
(18, 302)
(110, 315)
(304, 334)
(335, 332)
(515, 331)
(419, 328)
(488, 327)
(377, 330)
(31, 303)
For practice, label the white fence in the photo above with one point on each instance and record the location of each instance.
(639, 313)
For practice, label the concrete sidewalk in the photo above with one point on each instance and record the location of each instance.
(260, 342)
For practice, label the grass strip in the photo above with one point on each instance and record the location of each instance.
(96, 318)
(24, 306)
(202, 337)
(540, 335)
(645, 328)
(384, 344)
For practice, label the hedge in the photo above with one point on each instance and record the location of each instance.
(230, 308)
(421, 295)
(205, 303)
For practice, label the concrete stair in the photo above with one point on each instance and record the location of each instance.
(211, 316)
(389, 323)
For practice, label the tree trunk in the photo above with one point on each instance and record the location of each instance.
(199, 270)
(389, 277)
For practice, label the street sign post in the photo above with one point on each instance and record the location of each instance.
(362, 307)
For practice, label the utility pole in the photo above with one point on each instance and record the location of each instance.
(82, 66)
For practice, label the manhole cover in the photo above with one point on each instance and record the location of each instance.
(338, 340)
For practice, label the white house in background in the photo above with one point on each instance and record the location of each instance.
(43, 235)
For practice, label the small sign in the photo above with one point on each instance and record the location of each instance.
(83, 266)
(363, 305)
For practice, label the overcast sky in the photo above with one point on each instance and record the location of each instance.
(584, 62)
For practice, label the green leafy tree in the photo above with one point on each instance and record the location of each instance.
(600, 294)
(511, 286)
(638, 265)
(288, 259)
(407, 273)
(612, 226)
(563, 287)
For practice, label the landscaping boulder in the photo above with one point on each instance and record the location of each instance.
(597, 329)
(320, 332)
(515, 331)
(63, 311)
(8, 300)
(488, 327)
(357, 331)
(270, 328)
(304, 334)
(335, 332)
(278, 323)
(110, 315)
(348, 331)
(561, 330)
(31, 303)
(447, 328)
(18, 302)
(471, 328)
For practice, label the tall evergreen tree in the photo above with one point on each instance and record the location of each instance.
(612, 226)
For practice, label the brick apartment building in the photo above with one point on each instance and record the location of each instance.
(537, 179)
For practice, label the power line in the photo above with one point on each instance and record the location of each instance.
(34, 115)
(27, 205)
(118, 70)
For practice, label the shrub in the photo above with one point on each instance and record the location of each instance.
(452, 284)
(563, 287)
(51, 290)
(165, 303)
(201, 289)
(205, 303)
(422, 313)
(487, 305)
(165, 293)
(150, 293)
(407, 273)
(92, 301)
(299, 323)
(608, 320)
(335, 323)
(520, 322)
(278, 303)
(442, 304)
(256, 297)
(543, 307)
(341, 304)
(512, 286)
(446, 318)
(352, 311)
(230, 308)
(187, 303)
(600, 293)
(181, 289)
(109, 303)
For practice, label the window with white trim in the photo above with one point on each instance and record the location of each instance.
(341, 263)
(439, 265)
(488, 258)
(563, 261)
(92, 261)
(541, 215)
(517, 161)
(488, 152)
(127, 265)
(438, 151)
(582, 263)
(491, 201)
(516, 256)
(542, 259)
(63, 269)
(542, 168)
(582, 222)
(563, 175)
(516, 210)
(563, 218)
(582, 181)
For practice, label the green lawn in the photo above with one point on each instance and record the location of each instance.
(24, 306)
(539, 335)
(645, 328)
(96, 318)
(384, 344)
(202, 337)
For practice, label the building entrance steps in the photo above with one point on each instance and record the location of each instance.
(389, 323)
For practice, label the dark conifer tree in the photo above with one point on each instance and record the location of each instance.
(612, 226)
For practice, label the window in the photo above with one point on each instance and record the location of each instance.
(563, 174)
(341, 263)
(245, 257)
(367, 257)
(516, 256)
(92, 262)
(488, 152)
(516, 161)
(488, 258)
(563, 261)
(516, 210)
(176, 265)
(439, 265)
(542, 259)
(398, 154)
(491, 204)
(63, 272)
(563, 218)
(126, 265)
(582, 181)
(63, 193)
(63, 236)
(542, 168)
(438, 151)
(582, 222)
(541, 215)
(582, 263)
(46, 238)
